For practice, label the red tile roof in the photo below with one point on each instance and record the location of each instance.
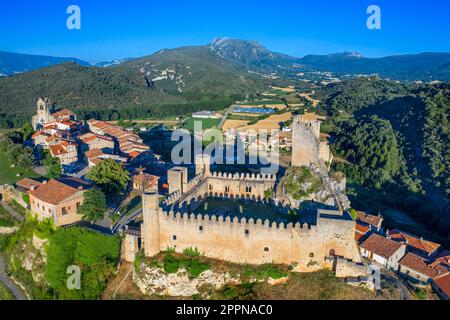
(95, 137)
(414, 241)
(422, 266)
(443, 282)
(94, 153)
(28, 183)
(381, 246)
(57, 150)
(444, 258)
(63, 113)
(369, 219)
(53, 192)
(360, 231)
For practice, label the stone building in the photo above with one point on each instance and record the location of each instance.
(383, 251)
(248, 241)
(244, 240)
(58, 201)
(65, 151)
(143, 182)
(205, 182)
(128, 142)
(309, 148)
(419, 270)
(46, 113)
(90, 141)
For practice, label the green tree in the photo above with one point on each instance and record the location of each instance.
(94, 205)
(110, 176)
(27, 131)
(53, 166)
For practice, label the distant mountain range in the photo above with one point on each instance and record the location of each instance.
(14, 63)
(411, 67)
(250, 55)
(187, 78)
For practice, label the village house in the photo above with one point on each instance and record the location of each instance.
(25, 185)
(362, 232)
(58, 201)
(383, 251)
(90, 141)
(129, 143)
(419, 270)
(373, 222)
(441, 286)
(95, 156)
(415, 244)
(65, 151)
(444, 259)
(46, 114)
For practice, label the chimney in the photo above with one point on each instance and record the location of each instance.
(33, 188)
(80, 188)
(44, 182)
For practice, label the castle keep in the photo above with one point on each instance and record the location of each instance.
(308, 147)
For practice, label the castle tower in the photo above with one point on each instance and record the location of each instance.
(203, 165)
(307, 145)
(306, 141)
(150, 227)
(177, 179)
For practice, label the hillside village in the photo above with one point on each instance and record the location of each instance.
(178, 208)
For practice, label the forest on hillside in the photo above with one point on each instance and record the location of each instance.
(392, 141)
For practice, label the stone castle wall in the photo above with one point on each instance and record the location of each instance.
(242, 241)
(251, 186)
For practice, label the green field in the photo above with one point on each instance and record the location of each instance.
(206, 123)
(8, 175)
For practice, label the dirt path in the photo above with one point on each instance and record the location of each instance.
(16, 291)
(124, 274)
(11, 211)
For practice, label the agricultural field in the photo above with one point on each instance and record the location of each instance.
(206, 123)
(234, 124)
(270, 123)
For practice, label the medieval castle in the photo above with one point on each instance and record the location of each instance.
(172, 223)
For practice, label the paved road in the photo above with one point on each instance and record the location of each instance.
(225, 116)
(11, 211)
(17, 292)
(125, 219)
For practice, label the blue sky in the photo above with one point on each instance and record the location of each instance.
(133, 28)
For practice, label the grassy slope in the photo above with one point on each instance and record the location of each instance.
(8, 175)
(5, 293)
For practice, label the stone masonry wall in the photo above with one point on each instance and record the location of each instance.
(253, 242)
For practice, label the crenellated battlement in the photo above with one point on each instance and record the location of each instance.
(229, 223)
(243, 176)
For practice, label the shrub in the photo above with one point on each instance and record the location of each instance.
(190, 252)
(195, 267)
(171, 264)
(264, 272)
